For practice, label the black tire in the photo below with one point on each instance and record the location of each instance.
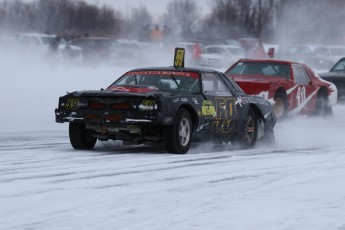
(248, 136)
(322, 108)
(80, 139)
(280, 106)
(178, 136)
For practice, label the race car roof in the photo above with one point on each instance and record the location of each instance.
(268, 60)
(170, 68)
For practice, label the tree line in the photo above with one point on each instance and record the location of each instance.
(268, 20)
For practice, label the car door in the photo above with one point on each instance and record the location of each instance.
(218, 108)
(305, 92)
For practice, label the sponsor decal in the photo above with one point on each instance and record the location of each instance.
(148, 105)
(176, 100)
(180, 99)
(225, 108)
(168, 73)
(222, 126)
(195, 101)
(71, 103)
(208, 108)
(248, 100)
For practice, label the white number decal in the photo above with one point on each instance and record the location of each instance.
(300, 95)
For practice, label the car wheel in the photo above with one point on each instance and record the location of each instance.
(80, 138)
(249, 133)
(280, 105)
(178, 136)
(322, 108)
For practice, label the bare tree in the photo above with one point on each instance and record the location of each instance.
(236, 18)
(256, 14)
(58, 16)
(223, 20)
(139, 19)
(182, 14)
(310, 21)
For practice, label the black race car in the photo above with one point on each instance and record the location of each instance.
(337, 76)
(170, 105)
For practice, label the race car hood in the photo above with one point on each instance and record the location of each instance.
(256, 84)
(250, 78)
(115, 93)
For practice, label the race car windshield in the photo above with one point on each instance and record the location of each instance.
(164, 82)
(339, 67)
(261, 68)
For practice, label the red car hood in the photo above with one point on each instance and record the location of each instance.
(257, 84)
(255, 78)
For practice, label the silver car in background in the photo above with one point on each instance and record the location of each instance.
(221, 56)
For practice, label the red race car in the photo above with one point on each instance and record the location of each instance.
(291, 87)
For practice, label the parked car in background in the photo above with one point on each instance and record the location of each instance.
(207, 40)
(96, 50)
(248, 43)
(293, 88)
(142, 53)
(126, 52)
(329, 54)
(52, 45)
(218, 56)
(169, 105)
(189, 46)
(301, 54)
(336, 75)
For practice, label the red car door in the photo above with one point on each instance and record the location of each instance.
(305, 94)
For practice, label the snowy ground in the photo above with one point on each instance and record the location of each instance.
(45, 184)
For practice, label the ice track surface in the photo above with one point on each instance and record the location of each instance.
(46, 185)
(296, 184)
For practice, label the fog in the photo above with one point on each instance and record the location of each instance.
(30, 89)
(295, 183)
(32, 85)
(34, 80)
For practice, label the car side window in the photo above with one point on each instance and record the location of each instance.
(215, 50)
(301, 76)
(213, 85)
